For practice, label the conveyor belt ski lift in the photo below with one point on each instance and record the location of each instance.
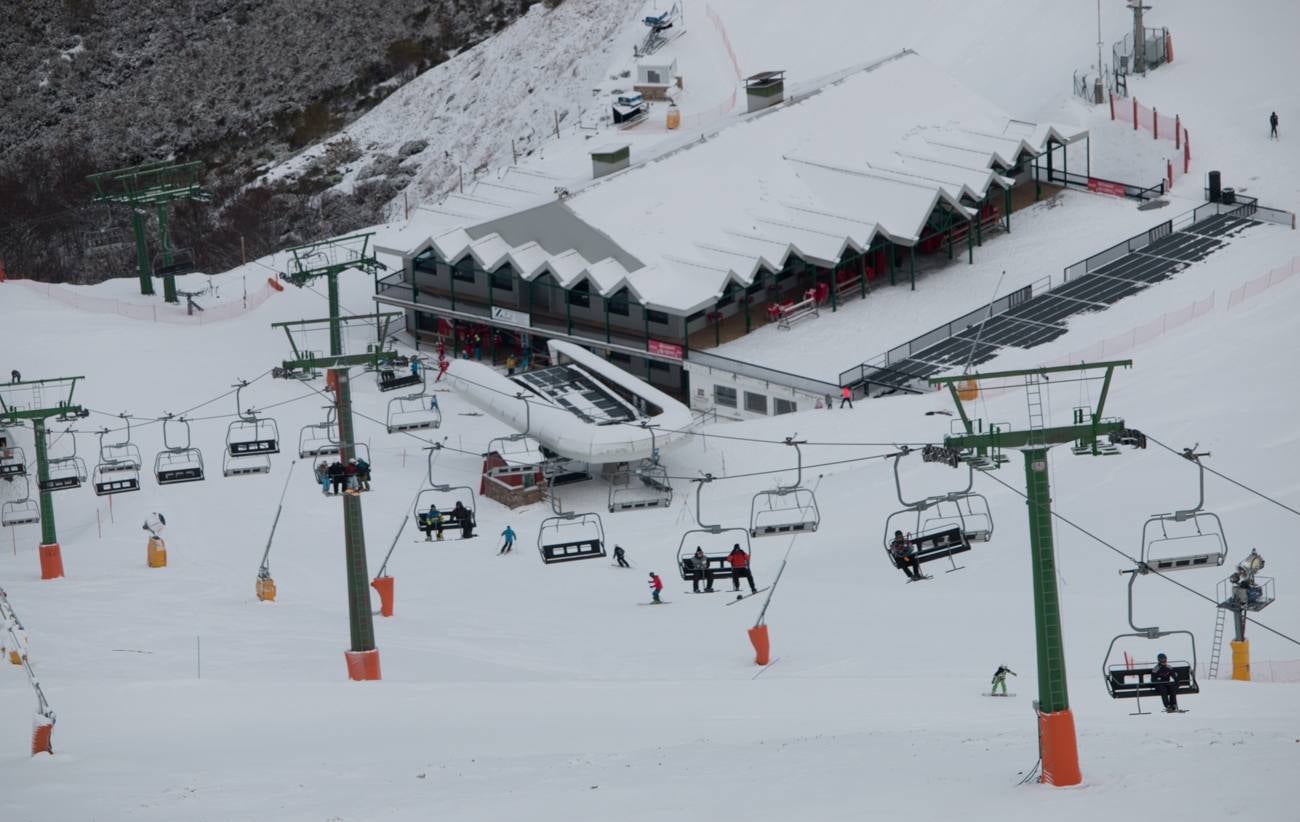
(390, 379)
(66, 471)
(179, 461)
(568, 536)
(789, 508)
(21, 511)
(118, 470)
(317, 439)
(412, 413)
(940, 536)
(250, 441)
(1130, 679)
(717, 541)
(643, 486)
(445, 497)
(1182, 540)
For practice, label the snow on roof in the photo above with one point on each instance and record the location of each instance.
(869, 152)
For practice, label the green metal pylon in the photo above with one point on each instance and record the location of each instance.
(49, 535)
(354, 537)
(1052, 691)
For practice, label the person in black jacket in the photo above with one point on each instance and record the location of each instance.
(335, 473)
(903, 553)
(1272, 126)
(1166, 681)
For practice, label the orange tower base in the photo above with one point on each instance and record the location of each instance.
(51, 561)
(1060, 750)
(42, 734)
(384, 587)
(363, 665)
(762, 647)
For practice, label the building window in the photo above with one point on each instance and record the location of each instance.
(756, 286)
(503, 279)
(755, 403)
(722, 395)
(656, 365)
(463, 271)
(728, 295)
(698, 315)
(780, 406)
(652, 76)
(580, 295)
(659, 318)
(426, 261)
(618, 304)
(621, 358)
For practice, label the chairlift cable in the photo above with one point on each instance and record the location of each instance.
(1135, 561)
(1223, 476)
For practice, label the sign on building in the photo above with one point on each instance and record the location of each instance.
(664, 349)
(508, 316)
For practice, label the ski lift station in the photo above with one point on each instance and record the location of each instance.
(784, 220)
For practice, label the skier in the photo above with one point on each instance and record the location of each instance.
(846, 395)
(442, 350)
(433, 401)
(904, 556)
(432, 520)
(620, 557)
(656, 585)
(323, 477)
(740, 568)
(1272, 126)
(1166, 681)
(443, 365)
(415, 366)
(509, 535)
(1000, 679)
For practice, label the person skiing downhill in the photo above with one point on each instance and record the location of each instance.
(656, 585)
(620, 557)
(1272, 126)
(1000, 679)
(509, 535)
(1166, 681)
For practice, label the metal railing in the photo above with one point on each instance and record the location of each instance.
(1131, 190)
(1118, 251)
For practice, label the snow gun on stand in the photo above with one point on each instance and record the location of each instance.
(266, 585)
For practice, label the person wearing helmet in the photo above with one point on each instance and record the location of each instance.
(1000, 679)
(656, 585)
(903, 553)
(1165, 680)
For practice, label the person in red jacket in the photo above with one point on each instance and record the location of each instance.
(656, 585)
(740, 568)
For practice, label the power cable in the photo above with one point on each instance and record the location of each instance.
(1223, 476)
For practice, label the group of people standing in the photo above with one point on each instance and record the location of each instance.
(351, 477)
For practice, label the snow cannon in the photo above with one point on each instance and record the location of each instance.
(42, 734)
(156, 553)
(383, 586)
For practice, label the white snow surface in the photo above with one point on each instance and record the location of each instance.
(517, 690)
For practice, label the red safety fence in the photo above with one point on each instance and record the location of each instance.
(158, 312)
(1128, 110)
(1263, 282)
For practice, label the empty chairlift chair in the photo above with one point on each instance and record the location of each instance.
(788, 509)
(412, 413)
(645, 486)
(66, 471)
(13, 462)
(118, 469)
(569, 536)
(1187, 539)
(179, 461)
(318, 439)
(250, 442)
(21, 511)
(391, 378)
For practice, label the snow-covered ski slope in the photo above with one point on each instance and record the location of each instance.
(517, 690)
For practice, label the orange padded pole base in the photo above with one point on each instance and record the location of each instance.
(1060, 751)
(384, 587)
(1240, 660)
(363, 665)
(51, 561)
(42, 734)
(762, 648)
(156, 553)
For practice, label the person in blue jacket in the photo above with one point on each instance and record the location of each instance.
(509, 535)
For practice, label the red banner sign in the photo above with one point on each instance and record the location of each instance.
(666, 349)
(1105, 187)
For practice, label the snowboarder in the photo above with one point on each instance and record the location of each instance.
(620, 557)
(656, 585)
(1166, 681)
(904, 556)
(740, 569)
(509, 535)
(16, 377)
(363, 474)
(323, 477)
(1272, 126)
(1000, 679)
(846, 395)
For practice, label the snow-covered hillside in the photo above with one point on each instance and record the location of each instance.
(517, 690)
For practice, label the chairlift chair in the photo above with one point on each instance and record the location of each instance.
(788, 509)
(118, 469)
(412, 413)
(317, 439)
(13, 462)
(22, 511)
(1196, 540)
(67, 471)
(938, 537)
(445, 497)
(250, 435)
(182, 263)
(712, 539)
(179, 461)
(390, 379)
(652, 488)
(1130, 680)
(970, 512)
(568, 536)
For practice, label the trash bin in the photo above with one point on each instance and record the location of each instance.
(1229, 196)
(1215, 193)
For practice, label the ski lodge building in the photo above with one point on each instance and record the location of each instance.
(813, 197)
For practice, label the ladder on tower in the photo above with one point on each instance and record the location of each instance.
(1034, 401)
(1217, 648)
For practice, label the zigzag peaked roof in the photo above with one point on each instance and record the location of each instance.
(871, 153)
